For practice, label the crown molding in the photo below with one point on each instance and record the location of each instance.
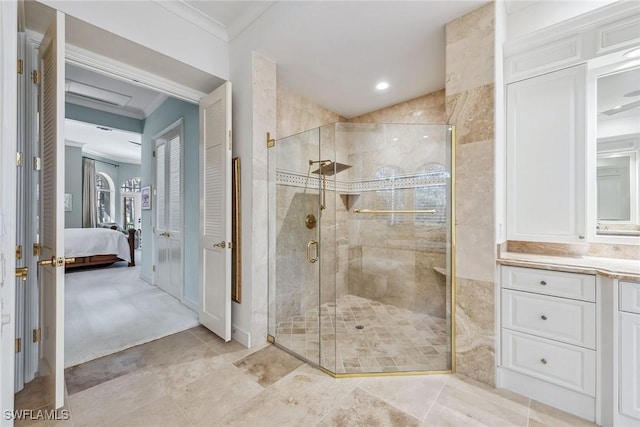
(119, 159)
(70, 143)
(190, 14)
(153, 105)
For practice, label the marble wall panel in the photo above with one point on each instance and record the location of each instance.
(297, 114)
(575, 250)
(426, 109)
(475, 329)
(470, 51)
(470, 106)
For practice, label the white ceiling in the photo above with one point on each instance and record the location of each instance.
(334, 52)
(113, 144)
(142, 101)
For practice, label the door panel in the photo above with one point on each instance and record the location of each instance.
(169, 210)
(52, 208)
(215, 211)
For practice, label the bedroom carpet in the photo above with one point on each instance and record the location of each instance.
(110, 309)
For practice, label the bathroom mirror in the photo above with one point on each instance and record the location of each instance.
(618, 153)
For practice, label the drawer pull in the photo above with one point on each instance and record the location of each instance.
(543, 317)
(543, 361)
(543, 283)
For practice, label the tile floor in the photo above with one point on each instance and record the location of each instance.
(193, 378)
(391, 338)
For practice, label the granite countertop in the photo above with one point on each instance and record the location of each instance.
(624, 269)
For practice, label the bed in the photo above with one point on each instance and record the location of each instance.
(98, 246)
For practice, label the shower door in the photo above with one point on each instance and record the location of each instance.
(294, 242)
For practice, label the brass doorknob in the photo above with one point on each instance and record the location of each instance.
(222, 245)
(51, 261)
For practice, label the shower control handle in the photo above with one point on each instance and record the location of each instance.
(309, 244)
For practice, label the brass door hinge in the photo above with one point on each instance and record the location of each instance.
(19, 158)
(36, 163)
(154, 153)
(20, 66)
(18, 345)
(35, 76)
(36, 335)
(271, 142)
(37, 249)
(18, 252)
(153, 268)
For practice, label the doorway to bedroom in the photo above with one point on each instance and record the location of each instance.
(118, 194)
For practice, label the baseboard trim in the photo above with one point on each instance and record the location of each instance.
(190, 304)
(241, 336)
(147, 279)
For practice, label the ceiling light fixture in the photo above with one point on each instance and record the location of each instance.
(426, 136)
(382, 86)
(395, 139)
(633, 53)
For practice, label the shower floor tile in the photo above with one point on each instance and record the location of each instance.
(360, 335)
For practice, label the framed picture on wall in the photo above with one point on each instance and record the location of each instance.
(146, 197)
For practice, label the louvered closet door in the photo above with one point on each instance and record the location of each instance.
(52, 208)
(169, 211)
(215, 212)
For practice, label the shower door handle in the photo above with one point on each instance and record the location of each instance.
(309, 244)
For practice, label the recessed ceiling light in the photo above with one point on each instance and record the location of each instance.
(382, 86)
(633, 53)
(395, 139)
(426, 136)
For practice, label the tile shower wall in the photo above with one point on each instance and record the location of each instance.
(469, 100)
(394, 259)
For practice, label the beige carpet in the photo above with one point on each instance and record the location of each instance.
(110, 309)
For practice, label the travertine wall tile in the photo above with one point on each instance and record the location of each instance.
(472, 111)
(297, 114)
(475, 329)
(426, 109)
(470, 50)
(470, 107)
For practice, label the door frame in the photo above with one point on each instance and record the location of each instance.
(8, 135)
(154, 202)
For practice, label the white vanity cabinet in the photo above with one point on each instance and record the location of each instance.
(545, 169)
(629, 339)
(548, 342)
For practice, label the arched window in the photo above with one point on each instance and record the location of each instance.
(131, 185)
(432, 195)
(106, 198)
(389, 197)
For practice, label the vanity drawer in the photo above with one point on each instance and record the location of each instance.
(562, 364)
(629, 294)
(556, 283)
(566, 320)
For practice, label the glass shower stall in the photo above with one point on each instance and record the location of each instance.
(361, 247)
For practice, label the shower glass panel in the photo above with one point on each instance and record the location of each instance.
(379, 297)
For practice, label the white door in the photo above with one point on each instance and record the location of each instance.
(52, 208)
(630, 365)
(169, 210)
(215, 211)
(8, 101)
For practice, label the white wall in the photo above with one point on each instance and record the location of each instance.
(151, 25)
(525, 17)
